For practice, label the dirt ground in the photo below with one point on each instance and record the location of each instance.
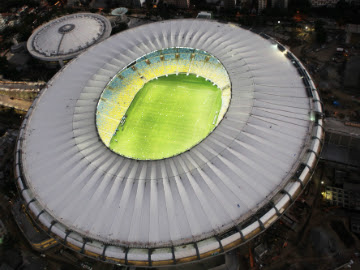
(327, 70)
(19, 104)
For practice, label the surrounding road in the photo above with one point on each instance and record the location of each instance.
(22, 105)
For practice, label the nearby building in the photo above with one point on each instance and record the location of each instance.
(68, 36)
(262, 4)
(355, 223)
(347, 197)
(120, 14)
(280, 3)
(352, 29)
(229, 4)
(326, 3)
(352, 73)
(342, 144)
(355, 3)
(204, 15)
(179, 3)
(332, 3)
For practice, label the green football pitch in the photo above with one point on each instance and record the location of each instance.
(168, 116)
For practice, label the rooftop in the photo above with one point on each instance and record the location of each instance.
(199, 202)
(65, 37)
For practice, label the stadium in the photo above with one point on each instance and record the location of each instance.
(126, 205)
(66, 37)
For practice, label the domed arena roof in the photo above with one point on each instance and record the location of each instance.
(207, 200)
(65, 37)
(119, 11)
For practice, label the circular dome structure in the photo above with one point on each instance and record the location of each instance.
(207, 200)
(65, 37)
(119, 11)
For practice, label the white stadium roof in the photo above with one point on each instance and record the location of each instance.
(65, 37)
(210, 199)
(119, 11)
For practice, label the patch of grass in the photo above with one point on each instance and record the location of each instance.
(168, 116)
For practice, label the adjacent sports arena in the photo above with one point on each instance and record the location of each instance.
(169, 143)
(65, 37)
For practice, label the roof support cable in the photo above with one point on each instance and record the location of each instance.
(38, 215)
(276, 210)
(149, 256)
(307, 165)
(321, 104)
(27, 205)
(126, 255)
(67, 232)
(318, 100)
(86, 240)
(321, 126)
(220, 244)
(103, 257)
(319, 116)
(286, 192)
(262, 227)
(83, 247)
(317, 138)
(300, 182)
(238, 228)
(197, 250)
(19, 153)
(173, 254)
(312, 151)
(51, 225)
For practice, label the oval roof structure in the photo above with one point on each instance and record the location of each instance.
(65, 37)
(209, 199)
(119, 11)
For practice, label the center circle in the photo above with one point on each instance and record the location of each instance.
(163, 104)
(66, 28)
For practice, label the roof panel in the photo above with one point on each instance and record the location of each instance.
(65, 37)
(194, 196)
